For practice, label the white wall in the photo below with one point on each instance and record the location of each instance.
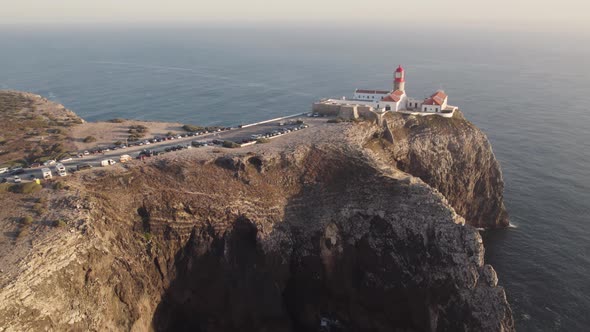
(369, 96)
(414, 103)
(431, 108)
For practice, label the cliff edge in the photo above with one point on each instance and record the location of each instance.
(317, 231)
(455, 157)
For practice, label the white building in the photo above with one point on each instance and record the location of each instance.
(436, 103)
(369, 95)
(395, 100)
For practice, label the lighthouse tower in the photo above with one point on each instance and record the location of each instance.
(399, 79)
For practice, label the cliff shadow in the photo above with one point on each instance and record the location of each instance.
(223, 282)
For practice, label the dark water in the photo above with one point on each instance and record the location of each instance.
(529, 92)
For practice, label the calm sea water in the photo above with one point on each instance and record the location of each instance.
(529, 92)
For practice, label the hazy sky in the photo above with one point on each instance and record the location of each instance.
(196, 11)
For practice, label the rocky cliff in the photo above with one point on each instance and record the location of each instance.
(456, 158)
(318, 232)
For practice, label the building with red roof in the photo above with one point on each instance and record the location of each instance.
(395, 100)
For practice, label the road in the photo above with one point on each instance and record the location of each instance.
(236, 135)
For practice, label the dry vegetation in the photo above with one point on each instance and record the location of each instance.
(120, 131)
(33, 129)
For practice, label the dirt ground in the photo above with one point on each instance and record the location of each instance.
(106, 133)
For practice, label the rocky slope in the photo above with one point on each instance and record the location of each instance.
(312, 232)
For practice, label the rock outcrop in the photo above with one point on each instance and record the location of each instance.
(455, 157)
(314, 233)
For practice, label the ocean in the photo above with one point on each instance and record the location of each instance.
(528, 91)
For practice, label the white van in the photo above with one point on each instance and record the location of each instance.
(46, 173)
(107, 162)
(3, 170)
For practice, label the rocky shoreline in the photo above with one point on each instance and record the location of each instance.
(341, 228)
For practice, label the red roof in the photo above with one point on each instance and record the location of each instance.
(395, 96)
(399, 69)
(374, 92)
(438, 98)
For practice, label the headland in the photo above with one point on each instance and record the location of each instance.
(344, 223)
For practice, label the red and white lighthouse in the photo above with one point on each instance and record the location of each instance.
(399, 79)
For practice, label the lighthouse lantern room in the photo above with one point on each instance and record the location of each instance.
(399, 82)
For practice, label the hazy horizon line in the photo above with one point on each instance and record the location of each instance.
(495, 23)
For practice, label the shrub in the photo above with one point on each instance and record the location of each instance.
(135, 137)
(116, 120)
(191, 128)
(22, 232)
(147, 236)
(262, 140)
(138, 129)
(27, 188)
(59, 223)
(4, 187)
(118, 143)
(59, 148)
(299, 122)
(230, 144)
(337, 120)
(39, 209)
(27, 220)
(59, 185)
(89, 139)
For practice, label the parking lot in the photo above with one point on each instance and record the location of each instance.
(157, 145)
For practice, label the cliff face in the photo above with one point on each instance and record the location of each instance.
(456, 158)
(286, 236)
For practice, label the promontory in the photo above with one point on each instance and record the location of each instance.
(342, 226)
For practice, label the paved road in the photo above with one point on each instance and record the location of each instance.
(235, 135)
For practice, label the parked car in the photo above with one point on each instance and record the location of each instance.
(17, 171)
(65, 159)
(17, 179)
(35, 165)
(62, 173)
(125, 158)
(49, 162)
(147, 152)
(3, 170)
(107, 162)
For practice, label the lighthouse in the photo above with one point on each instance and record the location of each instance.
(399, 79)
